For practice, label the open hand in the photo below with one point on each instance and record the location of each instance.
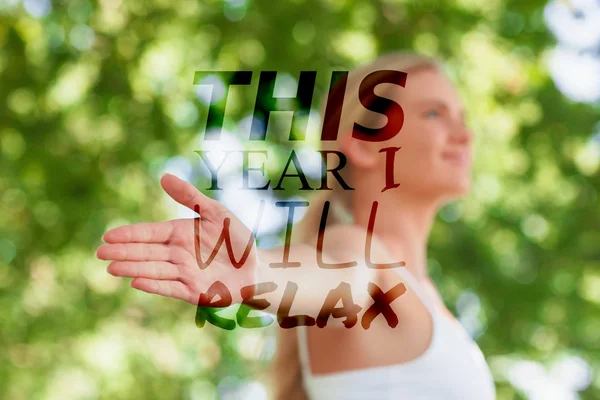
(162, 257)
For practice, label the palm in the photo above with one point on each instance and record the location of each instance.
(166, 258)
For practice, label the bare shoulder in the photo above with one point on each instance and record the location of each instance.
(411, 337)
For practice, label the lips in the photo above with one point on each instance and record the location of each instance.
(457, 157)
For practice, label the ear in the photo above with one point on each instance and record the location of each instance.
(359, 153)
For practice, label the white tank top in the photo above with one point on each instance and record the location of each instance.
(452, 368)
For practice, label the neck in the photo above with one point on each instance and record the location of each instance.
(403, 222)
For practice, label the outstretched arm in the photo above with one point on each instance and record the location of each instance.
(163, 258)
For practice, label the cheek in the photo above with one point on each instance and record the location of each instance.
(419, 166)
(420, 155)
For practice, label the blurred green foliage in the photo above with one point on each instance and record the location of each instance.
(96, 97)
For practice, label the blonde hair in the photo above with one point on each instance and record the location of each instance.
(286, 374)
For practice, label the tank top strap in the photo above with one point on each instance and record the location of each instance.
(419, 290)
(303, 350)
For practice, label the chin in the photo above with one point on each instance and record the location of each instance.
(457, 189)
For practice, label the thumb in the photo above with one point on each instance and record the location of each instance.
(186, 194)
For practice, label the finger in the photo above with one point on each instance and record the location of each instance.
(143, 232)
(186, 194)
(160, 270)
(135, 252)
(173, 289)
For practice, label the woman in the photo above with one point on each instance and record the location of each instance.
(424, 355)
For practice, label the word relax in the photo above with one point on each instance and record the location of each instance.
(208, 307)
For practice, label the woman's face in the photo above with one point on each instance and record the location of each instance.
(435, 155)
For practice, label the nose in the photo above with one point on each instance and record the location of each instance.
(461, 134)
